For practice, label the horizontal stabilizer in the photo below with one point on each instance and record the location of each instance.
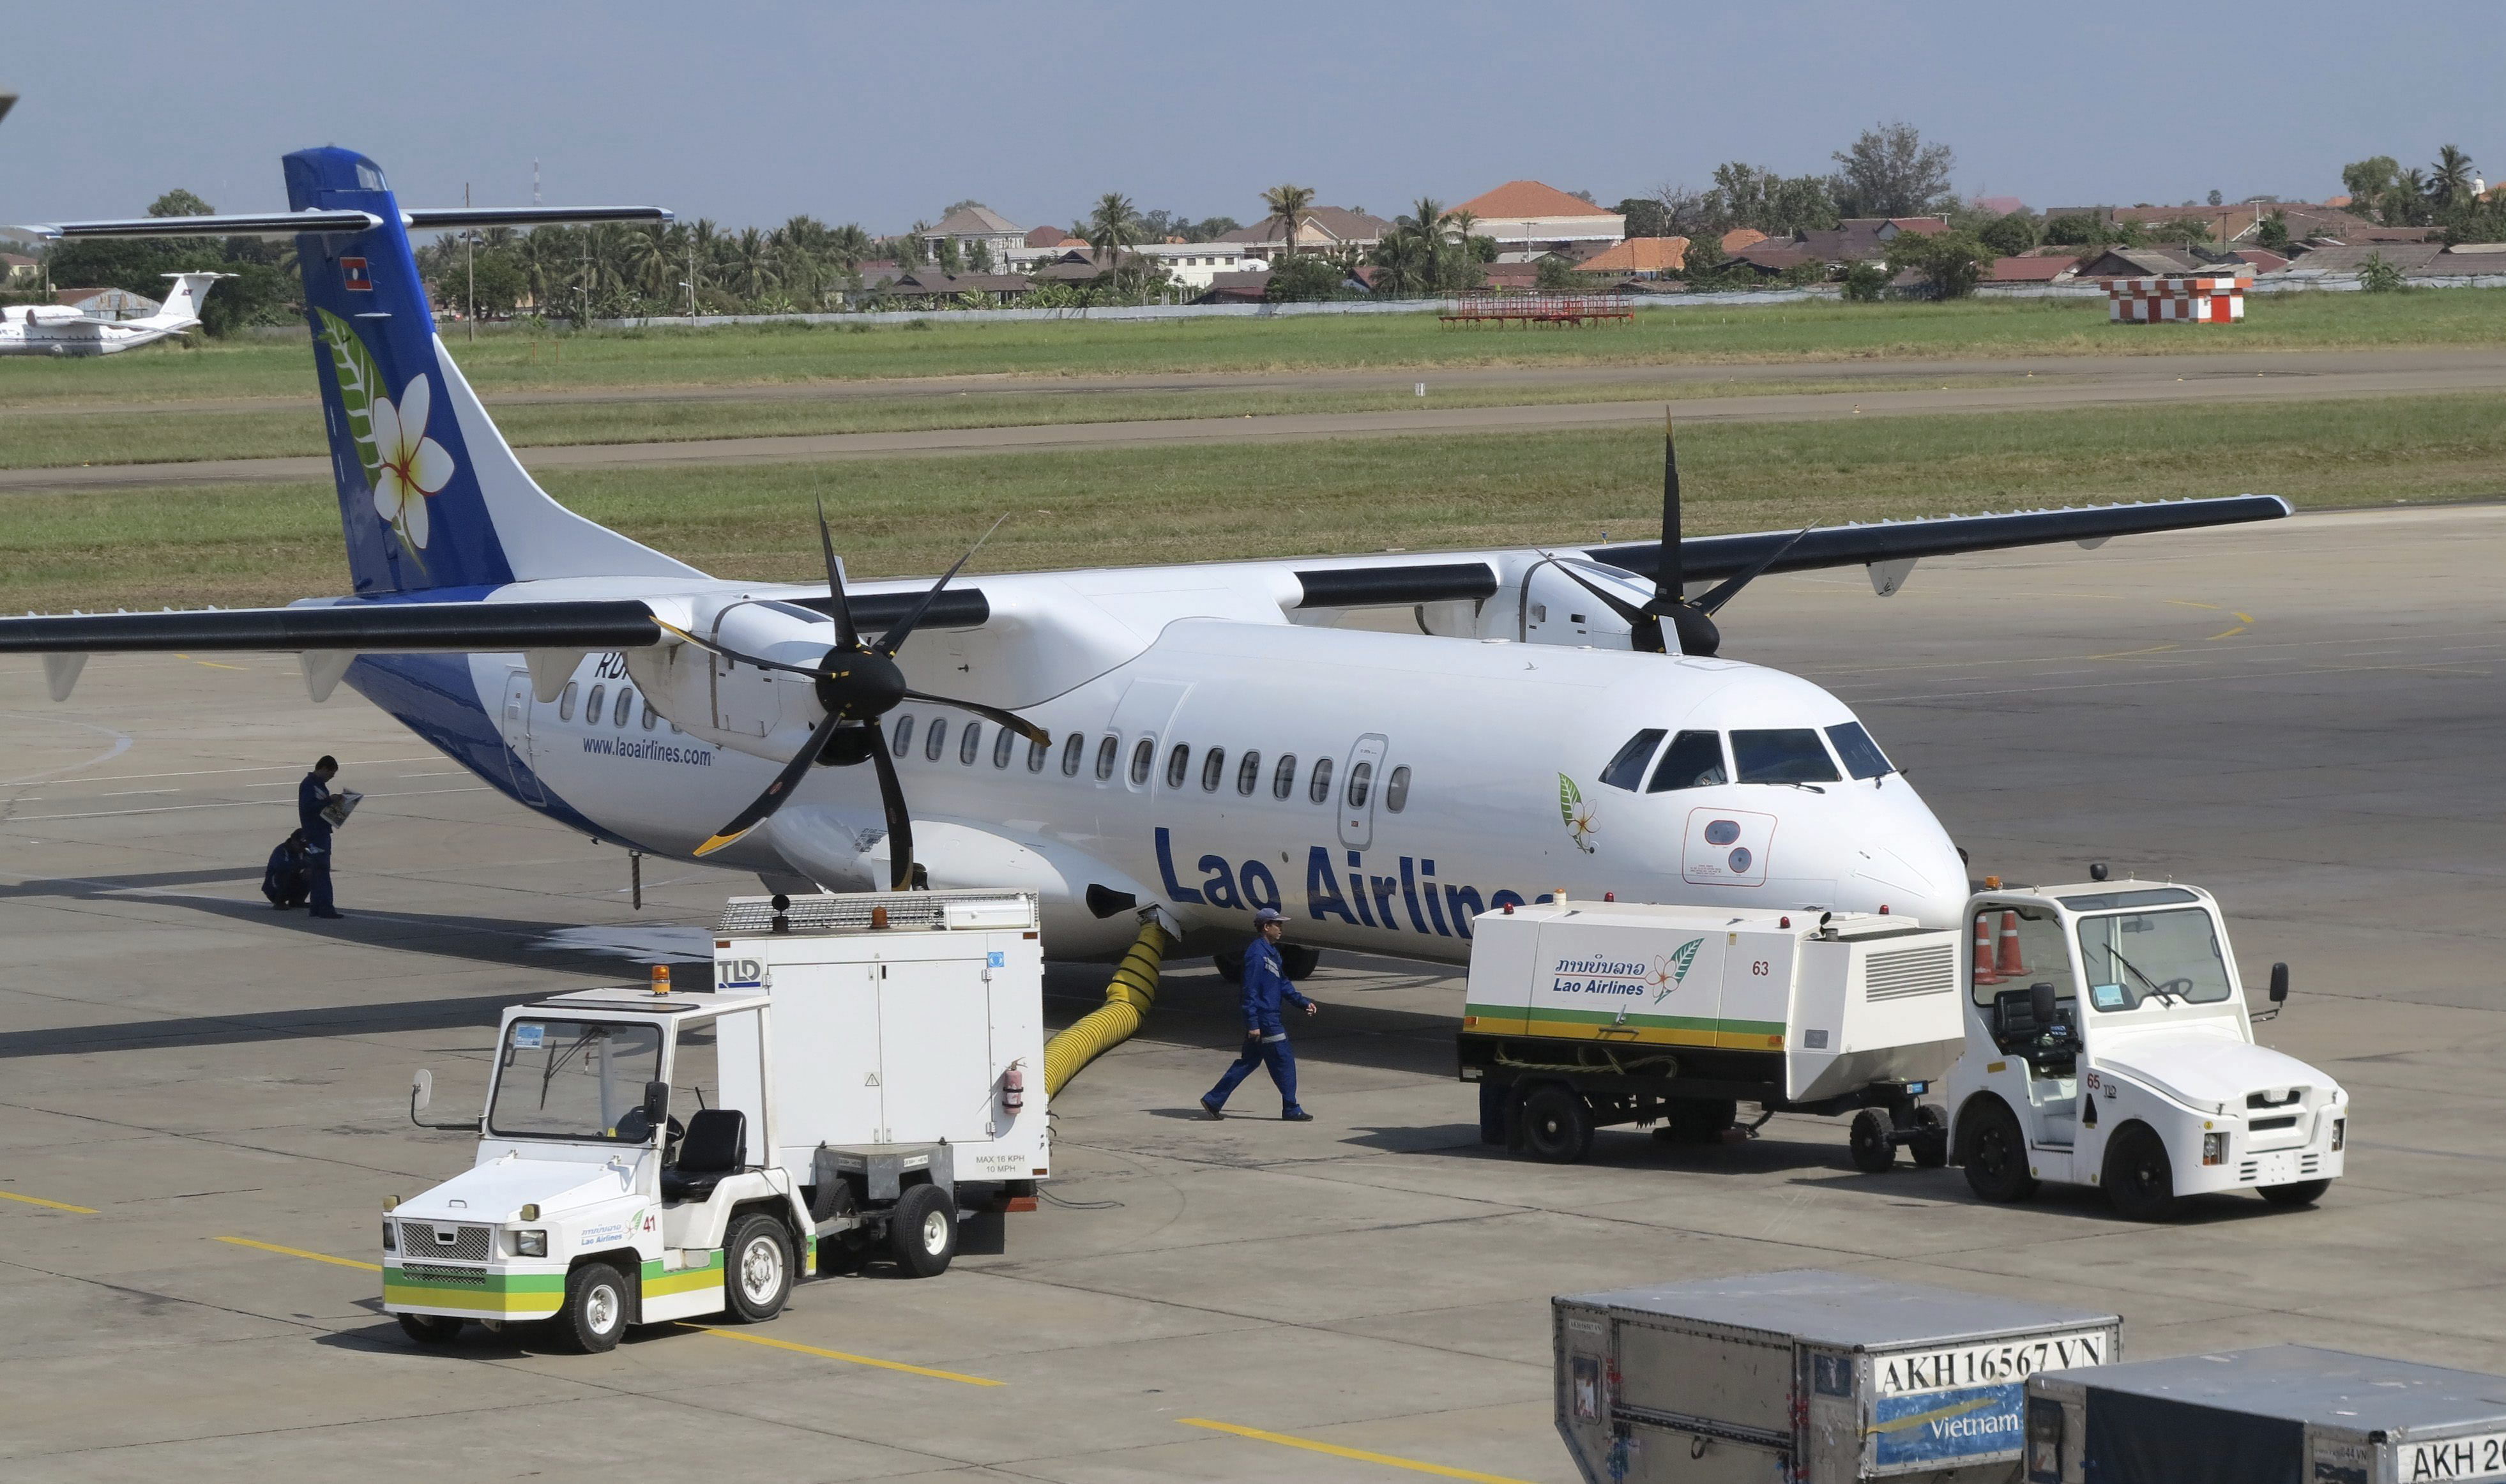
(289, 224)
(354, 626)
(458, 218)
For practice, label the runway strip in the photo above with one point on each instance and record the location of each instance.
(2140, 381)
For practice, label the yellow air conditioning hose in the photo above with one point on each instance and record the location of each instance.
(1127, 1001)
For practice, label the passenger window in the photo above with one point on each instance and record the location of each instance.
(1319, 789)
(936, 738)
(1105, 751)
(1214, 767)
(1695, 761)
(1178, 762)
(1396, 789)
(1038, 749)
(1361, 782)
(1070, 755)
(565, 702)
(649, 715)
(592, 707)
(1789, 755)
(1283, 778)
(969, 742)
(1248, 774)
(1143, 758)
(1003, 741)
(1626, 769)
(626, 708)
(903, 742)
(1862, 756)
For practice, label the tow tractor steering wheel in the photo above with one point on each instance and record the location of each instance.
(634, 1129)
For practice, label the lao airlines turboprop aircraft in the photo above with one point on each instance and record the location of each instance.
(1198, 740)
(48, 330)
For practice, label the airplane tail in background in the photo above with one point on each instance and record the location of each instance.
(430, 495)
(182, 308)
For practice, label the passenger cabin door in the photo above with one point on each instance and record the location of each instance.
(518, 737)
(1360, 781)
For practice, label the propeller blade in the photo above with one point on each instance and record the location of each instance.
(711, 648)
(894, 639)
(846, 636)
(1644, 625)
(1667, 571)
(900, 820)
(994, 713)
(1728, 589)
(763, 807)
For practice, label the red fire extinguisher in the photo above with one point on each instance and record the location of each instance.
(1014, 1086)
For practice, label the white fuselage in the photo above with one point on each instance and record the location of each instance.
(1498, 747)
(42, 330)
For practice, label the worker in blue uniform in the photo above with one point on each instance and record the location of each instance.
(1265, 1035)
(312, 796)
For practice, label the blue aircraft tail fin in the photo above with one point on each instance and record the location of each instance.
(430, 495)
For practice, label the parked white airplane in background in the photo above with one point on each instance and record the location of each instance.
(1198, 740)
(58, 330)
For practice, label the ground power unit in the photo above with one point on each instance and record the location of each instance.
(2277, 1415)
(1807, 1377)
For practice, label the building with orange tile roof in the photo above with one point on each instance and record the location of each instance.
(1639, 257)
(1528, 218)
(1740, 237)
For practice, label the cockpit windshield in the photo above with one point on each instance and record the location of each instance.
(2168, 957)
(1862, 756)
(573, 1079)
(1786, 755)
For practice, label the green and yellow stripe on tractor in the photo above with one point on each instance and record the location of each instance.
(1624, 1030)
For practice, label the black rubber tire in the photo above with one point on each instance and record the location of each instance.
(1931, 1146)
(2139, 1177)
(923, 1231)
(1996, 1154)
(430, 1328)
(595, 1317)
(1868, 1142)
(1698, 1121)
(759, 1257)
(2303, 1192)
(1556, 1125)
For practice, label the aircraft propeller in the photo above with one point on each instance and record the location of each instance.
(1691, 621)
(857, 683)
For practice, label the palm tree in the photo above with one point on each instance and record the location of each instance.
(1111, 228)
(2449, 178)
(752, 263)
(2410, 199)
(1289, 203)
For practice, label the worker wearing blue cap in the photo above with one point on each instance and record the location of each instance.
(1265, 1035)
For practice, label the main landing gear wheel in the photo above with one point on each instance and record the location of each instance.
(923, 1231)
(1556, 1126)
(1996, 1155)
(2140, 1177)
(2303, 1192)
(1874, 1153)
(1931, 1144)
(758, 1259)
(430, 1328)
(594, 1316)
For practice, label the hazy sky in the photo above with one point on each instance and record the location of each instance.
(750, 112)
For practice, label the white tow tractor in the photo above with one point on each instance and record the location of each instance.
(857, 1079)
(2108, 1044)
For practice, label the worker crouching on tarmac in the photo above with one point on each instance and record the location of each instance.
(1265, 1035)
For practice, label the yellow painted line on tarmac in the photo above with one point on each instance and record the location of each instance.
(2228, 633)
(1387, 1460)
(298, 1252)
(37, 1200)
(2189, 603)
(849, 1359)
(2155, 648)
(210, 665)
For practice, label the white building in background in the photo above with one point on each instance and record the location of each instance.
(1192, 264)
(1528, 220)
(968, 226)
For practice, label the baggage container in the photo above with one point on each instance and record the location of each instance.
(1807, 1377)
(2286, 1413)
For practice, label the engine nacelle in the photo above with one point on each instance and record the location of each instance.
(765, 712)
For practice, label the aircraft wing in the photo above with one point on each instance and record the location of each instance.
(356, 625)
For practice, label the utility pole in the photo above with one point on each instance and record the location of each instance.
(471, 240)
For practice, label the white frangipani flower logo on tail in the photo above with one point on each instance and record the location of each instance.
(412, 466)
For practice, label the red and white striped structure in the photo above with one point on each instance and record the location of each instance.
(2184, 300)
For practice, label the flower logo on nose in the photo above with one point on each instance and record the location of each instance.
(1578, 816)
(412, 466)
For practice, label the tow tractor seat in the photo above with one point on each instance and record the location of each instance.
(715, 1139)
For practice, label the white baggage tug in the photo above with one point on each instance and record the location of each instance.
(866, 1072)
(2156, 1090)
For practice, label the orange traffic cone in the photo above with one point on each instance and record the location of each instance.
(1983, 973)
(2012, 965)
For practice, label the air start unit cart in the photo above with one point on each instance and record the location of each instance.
(864, 1075)
(1587, 1013)
(2288, 1412)
(2107, 1044)
(1807, 1377)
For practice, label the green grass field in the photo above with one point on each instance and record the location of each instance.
(510, 359)
(1125, 507)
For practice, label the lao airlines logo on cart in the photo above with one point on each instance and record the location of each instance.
(1670, 970)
